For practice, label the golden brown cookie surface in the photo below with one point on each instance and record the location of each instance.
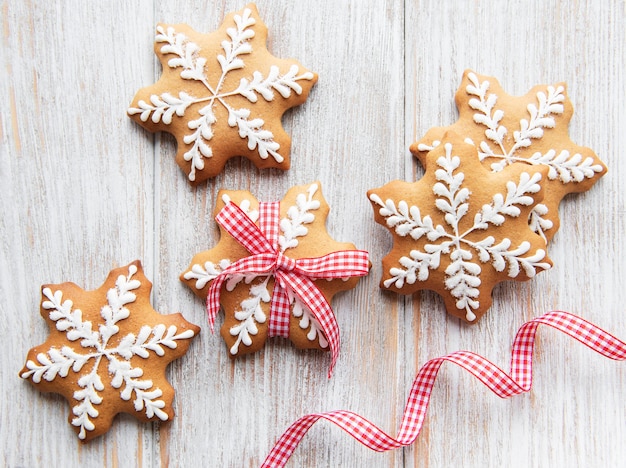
(461, 229)
(222, 95)
(107, 351)
(530, 130)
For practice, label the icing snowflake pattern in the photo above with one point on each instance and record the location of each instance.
(470, 235)
(228, 89)
(89, 347)
(537, 138)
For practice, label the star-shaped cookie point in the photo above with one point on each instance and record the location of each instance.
(461, 228)
(107, 351)
(222, 95)
(247, 297)
(531, 130)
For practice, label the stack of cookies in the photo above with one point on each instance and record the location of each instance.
(487, 205)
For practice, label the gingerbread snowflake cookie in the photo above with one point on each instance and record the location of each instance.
(275, 271)
(222, 95)
(462, 228)
(530, 130)
(107, 351)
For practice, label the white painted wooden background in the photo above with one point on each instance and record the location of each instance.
(84, 189)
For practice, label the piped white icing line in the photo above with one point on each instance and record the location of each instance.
(94, 347)
(249, 315)
(307, 320)
(462, 276)
(205, 273)
(537, 221)
(186, 55)
(432, 146)
(293, 225)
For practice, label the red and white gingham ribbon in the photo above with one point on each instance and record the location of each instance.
(295, 275)
(502, 384)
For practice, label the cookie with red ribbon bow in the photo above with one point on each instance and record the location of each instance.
(275, 271)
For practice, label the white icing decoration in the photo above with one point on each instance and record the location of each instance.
(164, 107)
(199, 139)
(537, 222)
(186, 55)
(425, 147)
(463, 273)
(540, 117)
(258, 138)
(564, 167)
(307, 320)
(250, 314)
(297, 216)
(283, 84)
(205, 273)
(94, 345)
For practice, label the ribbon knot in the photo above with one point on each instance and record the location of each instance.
(285, 263)
(294, 278)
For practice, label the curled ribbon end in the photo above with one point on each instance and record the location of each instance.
(334, 357)
(211, 314)
(331, 369)
(502, 384)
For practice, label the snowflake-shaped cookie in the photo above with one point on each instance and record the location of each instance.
(530, 130)
(461, 229)
(222, 95)
(246, 298)
(107, 351)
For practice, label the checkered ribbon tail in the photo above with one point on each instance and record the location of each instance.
(293, 277)
(502, 384)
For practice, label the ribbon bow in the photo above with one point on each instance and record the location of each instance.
(291, 275)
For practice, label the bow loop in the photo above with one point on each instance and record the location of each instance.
(237, 223)
(285, 263)
(341, 264)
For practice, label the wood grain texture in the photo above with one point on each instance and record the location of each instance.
(84, 189)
